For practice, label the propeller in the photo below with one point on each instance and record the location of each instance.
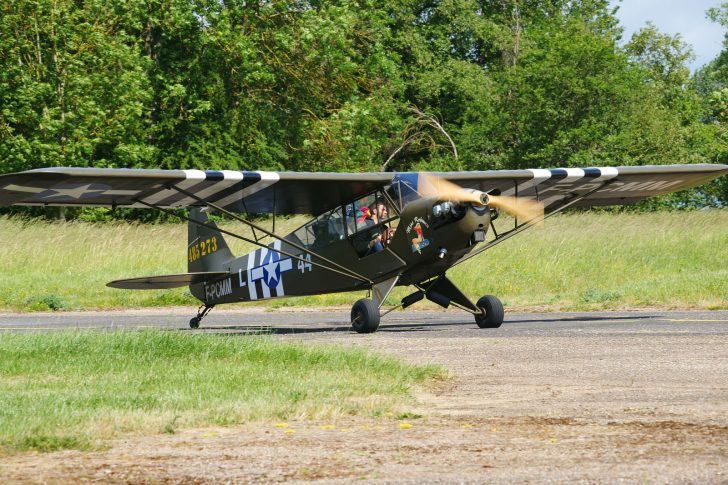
(522, 208)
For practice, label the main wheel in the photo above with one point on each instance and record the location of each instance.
(195, 322)
(493, 312)
(365, 316)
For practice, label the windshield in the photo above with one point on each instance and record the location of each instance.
(403, 189)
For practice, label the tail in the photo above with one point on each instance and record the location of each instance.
(206, 248)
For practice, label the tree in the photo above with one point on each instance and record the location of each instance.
(72, 89)
(321, 85)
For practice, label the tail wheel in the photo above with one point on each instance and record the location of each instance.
(201, 313)
(493, 313)
(365, 316)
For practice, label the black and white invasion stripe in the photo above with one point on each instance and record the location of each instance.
(581, 178)
(226, 188)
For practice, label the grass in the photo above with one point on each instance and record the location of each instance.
(584, 261)
(76, 389)
(594, 261)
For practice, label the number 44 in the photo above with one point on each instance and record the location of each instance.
(304, 263)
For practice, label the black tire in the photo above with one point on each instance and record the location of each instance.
(493, 312)
(365, 316)
(195, 322)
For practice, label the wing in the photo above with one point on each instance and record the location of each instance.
(254, 192)
(314, 193)
(590, 186)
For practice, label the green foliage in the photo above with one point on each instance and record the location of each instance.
(593, 295)
(44, 303)
(73, 89)
(662, 55)
(337, 86)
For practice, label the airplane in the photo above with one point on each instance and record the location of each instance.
(369, 231)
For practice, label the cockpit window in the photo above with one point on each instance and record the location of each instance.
(322, 231)
(368, 211)
(373, 216)
(371, 222)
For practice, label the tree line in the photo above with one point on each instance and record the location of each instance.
(353, 85)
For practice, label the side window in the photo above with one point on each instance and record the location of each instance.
(304, 235)
(328, 228)
(359, 214)
(350, 211)
(322, 231)
(336, 223)
(370, 210)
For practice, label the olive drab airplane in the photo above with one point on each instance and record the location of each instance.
(369, 231)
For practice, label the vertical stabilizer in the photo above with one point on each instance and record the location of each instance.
(206, 248)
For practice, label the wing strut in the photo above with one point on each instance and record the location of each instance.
(348, 273)
(256, 243)
(518, 229)
(273, 235)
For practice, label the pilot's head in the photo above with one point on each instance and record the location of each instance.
(380, 209)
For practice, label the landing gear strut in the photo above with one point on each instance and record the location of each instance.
(488, 311)
(492, 312)
(201, 313)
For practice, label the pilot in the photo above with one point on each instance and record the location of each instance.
(380, 211)
(379, 238)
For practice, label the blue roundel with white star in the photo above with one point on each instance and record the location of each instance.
(271, 269)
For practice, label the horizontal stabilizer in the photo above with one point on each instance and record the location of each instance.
(166, 281)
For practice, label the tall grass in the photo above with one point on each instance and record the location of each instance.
(75, 389)
(601, 260)
(577, 261)
(66, 265)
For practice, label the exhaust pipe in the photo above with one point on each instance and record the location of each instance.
(412, 299)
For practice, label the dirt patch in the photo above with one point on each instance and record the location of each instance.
(430, 449)
(578, 406)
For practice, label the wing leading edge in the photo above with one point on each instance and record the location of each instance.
(314, 193)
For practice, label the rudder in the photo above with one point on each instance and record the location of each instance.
(206, 247)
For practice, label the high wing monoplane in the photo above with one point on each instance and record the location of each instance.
(369, 231)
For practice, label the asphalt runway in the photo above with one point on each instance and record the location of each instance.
(447, 324)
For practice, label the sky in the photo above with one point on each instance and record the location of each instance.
(686, 17)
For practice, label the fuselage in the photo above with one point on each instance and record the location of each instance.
(424, 241)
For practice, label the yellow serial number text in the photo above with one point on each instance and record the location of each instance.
(201, 248)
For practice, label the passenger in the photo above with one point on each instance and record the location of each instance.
(387, 230)
(380, 212)
(363, 215)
